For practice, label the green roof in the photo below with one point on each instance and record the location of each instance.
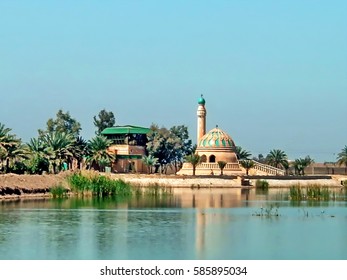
(127, 129)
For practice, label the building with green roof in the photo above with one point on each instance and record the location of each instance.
(129, 147)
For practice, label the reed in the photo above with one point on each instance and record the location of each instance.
(58, 191)
(98, 185)
(311, 192)
(271, 211)
(262, 184)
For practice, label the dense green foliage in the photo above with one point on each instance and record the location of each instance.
(63, 123)
(150, 161)
(169, 146)
(103, 120)
(194, 160)
(98, 186)
(312, 192)
(58, 191)
(241, 153)
(247, 164)
(277, 158)
(262, 184)
(301, 163)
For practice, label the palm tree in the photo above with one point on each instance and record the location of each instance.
(39, 159)
(98, 154)
(342, 158)
(149, 161)
(15, 153)
(241, 153)
(277, 158)
(78, 150)
(58, 147)
(221, 165)
(8, 146)
(247, 164)
(194, 160)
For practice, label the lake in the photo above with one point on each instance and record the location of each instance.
(184, 224)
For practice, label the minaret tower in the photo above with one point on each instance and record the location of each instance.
(201, 113)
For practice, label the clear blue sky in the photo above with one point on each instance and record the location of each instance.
(274, 73)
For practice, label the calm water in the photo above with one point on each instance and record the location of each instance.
(189, 224)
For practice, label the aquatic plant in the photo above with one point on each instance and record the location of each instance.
(98, 185)
(271, 211)
(311, 192)
(262, 184)
(58, 191)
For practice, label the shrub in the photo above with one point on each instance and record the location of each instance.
(262, 184)
(58, 191)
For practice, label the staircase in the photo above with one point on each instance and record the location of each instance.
(264, 169)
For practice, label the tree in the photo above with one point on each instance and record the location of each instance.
(221, 165)
(169, 146)
(241, 153)
(79, 150)
(301, 163)
(149, 161)
(10, 146)
(98, 155)
(247, 164)
(194, 160)
(342, 158)
(38, 158)
(276, 158)
(63, 123)
(103, 120)
(58, 147)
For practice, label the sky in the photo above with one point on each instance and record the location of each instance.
(273, 73)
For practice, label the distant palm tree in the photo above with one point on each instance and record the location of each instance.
(247, 164)
(342, 158)
(58, 147)
(79, 150)
(15, 153)
(149, 161)
(241, 153)
(194, 160)
(277, 158)
(98, 154)
(8, 146)
(221, 165)
(301, 163)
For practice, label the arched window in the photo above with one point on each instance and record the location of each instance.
(212, 158)
(203, 158)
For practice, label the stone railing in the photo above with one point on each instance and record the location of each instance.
(267, 169)
(205, 165)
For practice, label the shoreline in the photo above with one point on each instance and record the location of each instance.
(13, 186)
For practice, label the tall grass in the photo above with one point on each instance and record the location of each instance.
(58, 191)
(311, 192)
(262, 184)
(98, 185)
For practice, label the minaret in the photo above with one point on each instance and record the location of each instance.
(201, 113)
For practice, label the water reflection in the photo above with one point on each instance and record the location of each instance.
(184, 224)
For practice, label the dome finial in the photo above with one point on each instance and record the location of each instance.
(216, 125)
(201, 100)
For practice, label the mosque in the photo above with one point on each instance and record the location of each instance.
(214, 146)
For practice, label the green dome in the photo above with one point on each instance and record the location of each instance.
(201, 100)
(216, 138)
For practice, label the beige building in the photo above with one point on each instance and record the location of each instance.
(213, 146)
(128, 146)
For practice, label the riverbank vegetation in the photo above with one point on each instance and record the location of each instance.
(314, 192)
(59, 146)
